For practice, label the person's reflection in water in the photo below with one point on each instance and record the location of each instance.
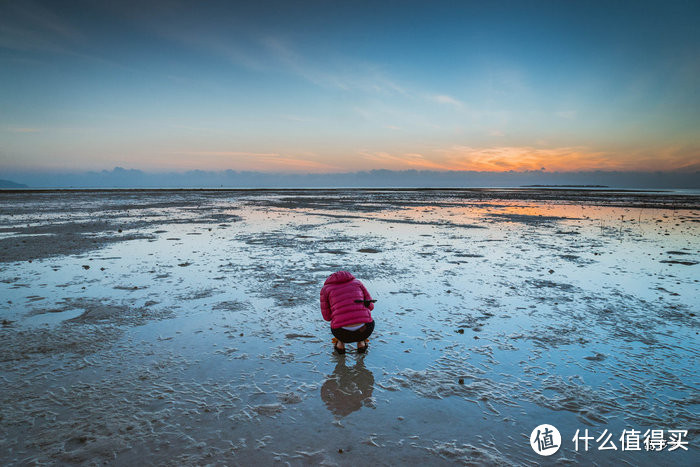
(348, 388)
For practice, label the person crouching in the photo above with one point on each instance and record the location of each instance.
(347, 304)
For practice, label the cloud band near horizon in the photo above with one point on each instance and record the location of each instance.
(454, 158)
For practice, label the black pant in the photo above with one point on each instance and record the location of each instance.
(357, 335)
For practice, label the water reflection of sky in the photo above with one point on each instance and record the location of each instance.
(546, 312)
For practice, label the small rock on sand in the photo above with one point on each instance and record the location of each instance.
(598, 357)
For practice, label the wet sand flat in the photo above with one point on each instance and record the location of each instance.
(183, 326)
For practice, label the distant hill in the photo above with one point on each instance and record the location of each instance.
(9, 184)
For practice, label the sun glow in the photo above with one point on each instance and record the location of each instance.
(520, 159)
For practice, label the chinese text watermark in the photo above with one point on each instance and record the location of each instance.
(546, 440)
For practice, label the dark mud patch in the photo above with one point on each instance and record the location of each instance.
(567, 232)
(64, 241)
(96, 311)
(198, 294)
(576, 259)
(285, 239)
(333, 252)
(676, 261)
(127, 287)
(97, 327)
(541, 283)
(123, 215)
(359, 203)
(73, 338)
(435, 223)
(528, 219)
(572, 258)
(598, 357)
(299, 336)
(229, 305)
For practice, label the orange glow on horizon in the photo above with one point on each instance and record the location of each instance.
(455, 158)
(521, 159)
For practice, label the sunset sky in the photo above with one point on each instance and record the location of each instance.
(330, 87)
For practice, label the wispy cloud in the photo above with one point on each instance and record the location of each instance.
(449, 100)
(566, 114)
(296, 118)
(271, 52)
(332, 72)
(243, 160)
(258, 50)
(28, 26)
(22, 130)
(384, 160)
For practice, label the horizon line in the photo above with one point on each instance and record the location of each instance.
(118, 169)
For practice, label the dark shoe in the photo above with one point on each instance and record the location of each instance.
(362, 349)
(340, 351)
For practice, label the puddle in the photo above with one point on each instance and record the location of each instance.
(52, 317)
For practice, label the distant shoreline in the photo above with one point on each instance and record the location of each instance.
(523, 188)
(627, 198)
(565, 186)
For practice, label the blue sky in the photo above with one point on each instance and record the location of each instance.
(324, 87)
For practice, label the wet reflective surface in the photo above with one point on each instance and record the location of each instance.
(184, 326)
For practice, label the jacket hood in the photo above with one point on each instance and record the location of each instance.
(339, 277)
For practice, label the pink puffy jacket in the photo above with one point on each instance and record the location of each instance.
(338, 296)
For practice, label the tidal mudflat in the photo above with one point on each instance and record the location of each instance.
(183, 327)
